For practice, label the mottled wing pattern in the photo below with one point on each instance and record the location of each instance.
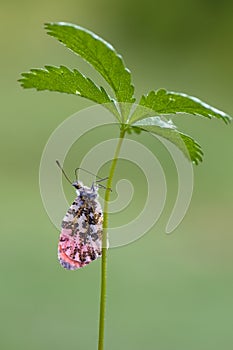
(81, 235)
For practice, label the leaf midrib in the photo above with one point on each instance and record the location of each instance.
(95, 59)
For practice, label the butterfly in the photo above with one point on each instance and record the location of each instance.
(80, 239)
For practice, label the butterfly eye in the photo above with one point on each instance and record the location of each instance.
(76, 185)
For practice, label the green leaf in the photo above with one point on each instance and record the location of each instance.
(164, 102)
(100, 54)
(166, 129)
(61, 79)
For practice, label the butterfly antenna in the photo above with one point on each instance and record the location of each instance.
(63, 172)
(89, 172)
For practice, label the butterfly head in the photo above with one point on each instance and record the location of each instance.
(84, 191)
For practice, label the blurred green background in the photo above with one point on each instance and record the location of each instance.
(164, 292)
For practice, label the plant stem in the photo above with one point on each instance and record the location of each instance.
(104, 249)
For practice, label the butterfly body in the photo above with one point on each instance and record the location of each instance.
(82, 227)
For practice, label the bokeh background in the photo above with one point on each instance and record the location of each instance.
(164, 292)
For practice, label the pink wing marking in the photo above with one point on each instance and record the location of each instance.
(73, 254)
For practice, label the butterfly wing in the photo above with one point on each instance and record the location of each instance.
(81, 235)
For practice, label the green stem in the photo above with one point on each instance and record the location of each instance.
(104, 249)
